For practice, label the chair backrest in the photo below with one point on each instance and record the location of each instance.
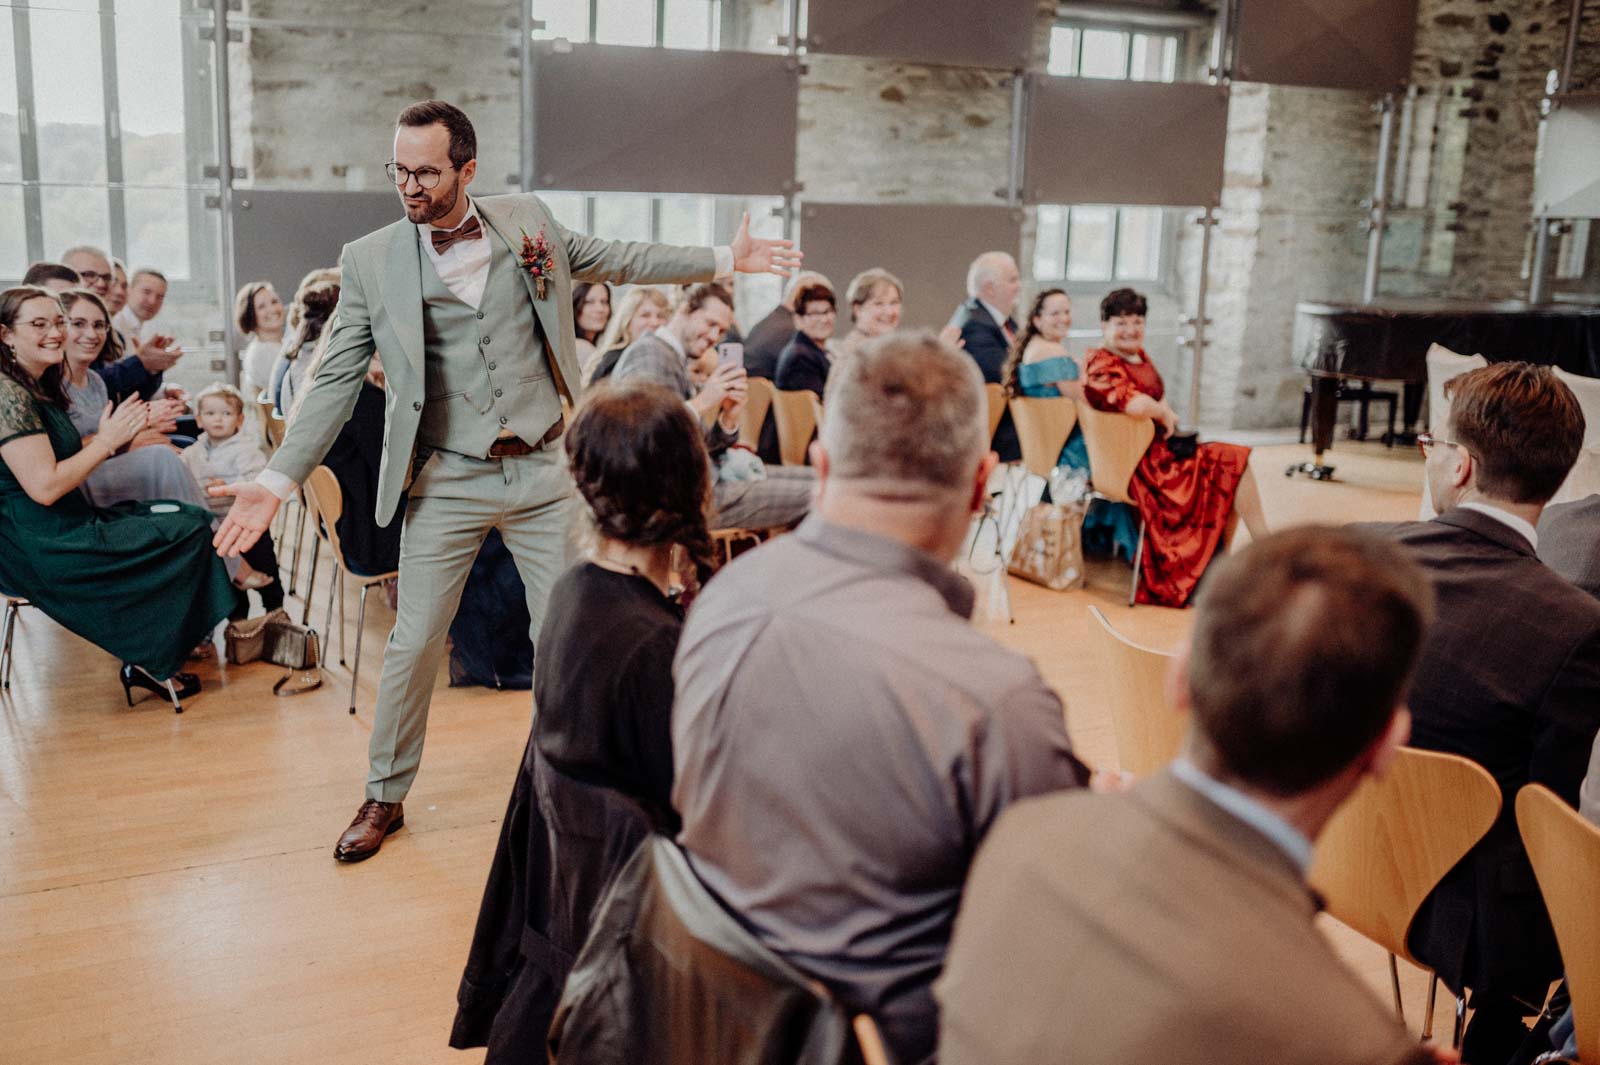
(1444, 364)
(326, 502)
(816, 410)
(1388, 847)
(1565, 852)
(995, 396)
(271, 423)
(1147, 730)
(1116, 442)
(1043, 425)
(796, 422)
(757, 402)
(870, 1040)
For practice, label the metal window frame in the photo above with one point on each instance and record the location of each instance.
(1181, 31)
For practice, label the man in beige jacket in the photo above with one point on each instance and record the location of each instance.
(1173, 923)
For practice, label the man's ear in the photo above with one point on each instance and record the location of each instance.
(1381, 755)
(819, 462)
(1461, 472)
(468, 171)
(980, 484)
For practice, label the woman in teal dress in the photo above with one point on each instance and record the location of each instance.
(1040, 366)
(139, 579)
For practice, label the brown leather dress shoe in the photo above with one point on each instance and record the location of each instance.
(373, 822)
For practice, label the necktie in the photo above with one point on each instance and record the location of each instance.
(468, 230)
(1010, 326)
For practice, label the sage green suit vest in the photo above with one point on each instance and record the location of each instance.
(484, 370)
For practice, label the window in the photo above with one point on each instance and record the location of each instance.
(1093, 244)
(97, 150)
(692, 24)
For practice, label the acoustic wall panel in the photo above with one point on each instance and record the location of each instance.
(1567, 180)
(1327, 44)
(1124, 142)
(995, 33)
(927, 246)
(608, 118)
(281, 235)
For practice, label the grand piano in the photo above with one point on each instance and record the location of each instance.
(1388, 341)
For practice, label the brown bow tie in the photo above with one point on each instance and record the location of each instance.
(468, 230)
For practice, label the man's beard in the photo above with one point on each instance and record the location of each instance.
(435, 209)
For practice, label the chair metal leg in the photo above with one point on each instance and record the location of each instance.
(299, 543)
(1394, 980)
(5, 649)
(361, 623)
(342, 626)
(1138, 564)
(333, 590)
(311, 581)
(1427, 1016)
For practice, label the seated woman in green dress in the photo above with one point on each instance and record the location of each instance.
(1039, 365)
(138, 579)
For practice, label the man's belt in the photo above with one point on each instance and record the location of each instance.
(510, 447)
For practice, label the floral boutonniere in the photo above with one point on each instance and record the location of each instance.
(536, 259)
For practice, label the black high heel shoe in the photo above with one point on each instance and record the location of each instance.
(177, 688)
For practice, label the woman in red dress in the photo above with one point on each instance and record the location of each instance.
(1188, 504)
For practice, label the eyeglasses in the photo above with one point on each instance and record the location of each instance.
(40, 325)
(826, 312)
(94, 275)
(98, 326)
(427, 176)
(1428, 440)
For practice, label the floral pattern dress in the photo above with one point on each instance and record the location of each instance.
(138, 579)
(1185, 503)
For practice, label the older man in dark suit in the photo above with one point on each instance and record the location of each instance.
(1569, 541)
(988, 330)
(1174, 923)
(1509, 677)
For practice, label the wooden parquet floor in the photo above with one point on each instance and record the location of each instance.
(167, 887)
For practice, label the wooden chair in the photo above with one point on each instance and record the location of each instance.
(326, 503)
(1565, 852)
(873, 1052)
(14, 605)
(995, 396)
(796, 422)
(1116, 443)
(1147, 730)
(1043, 425)
(723, 542)
(816, 409)
(758, 401)
(271, 422)
(1388, 847)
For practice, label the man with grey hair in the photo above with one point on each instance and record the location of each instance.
(93, 266)
(143, 364)
(988, 330)
(842, 737)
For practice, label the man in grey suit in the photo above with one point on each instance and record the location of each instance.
(774, 498)
(1174, 923)
(1509, 677)
(468, 302)
(1569, 541)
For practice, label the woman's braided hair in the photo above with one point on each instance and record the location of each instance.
(639, 460)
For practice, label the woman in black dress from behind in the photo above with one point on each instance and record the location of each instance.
(596, 776)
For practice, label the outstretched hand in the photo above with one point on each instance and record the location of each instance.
(758, 255)
(253, 509)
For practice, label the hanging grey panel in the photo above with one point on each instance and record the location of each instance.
(995, 33)
(280, 235)
(1124, 142)
(927, 246)
(616, 119)
(1567, 181)
(1328, 44)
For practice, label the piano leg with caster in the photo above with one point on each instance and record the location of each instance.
(1324, 413)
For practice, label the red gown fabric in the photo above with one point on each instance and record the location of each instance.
(1185, 503)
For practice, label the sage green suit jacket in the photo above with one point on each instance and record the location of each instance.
(380, 312)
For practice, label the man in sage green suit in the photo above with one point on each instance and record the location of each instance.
(479, 355)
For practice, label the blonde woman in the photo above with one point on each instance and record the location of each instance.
(641, 311)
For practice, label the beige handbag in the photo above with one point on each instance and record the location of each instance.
(1049, 546)
(278, 640)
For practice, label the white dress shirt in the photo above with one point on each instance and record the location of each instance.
(129, 324)
(1505, 517)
